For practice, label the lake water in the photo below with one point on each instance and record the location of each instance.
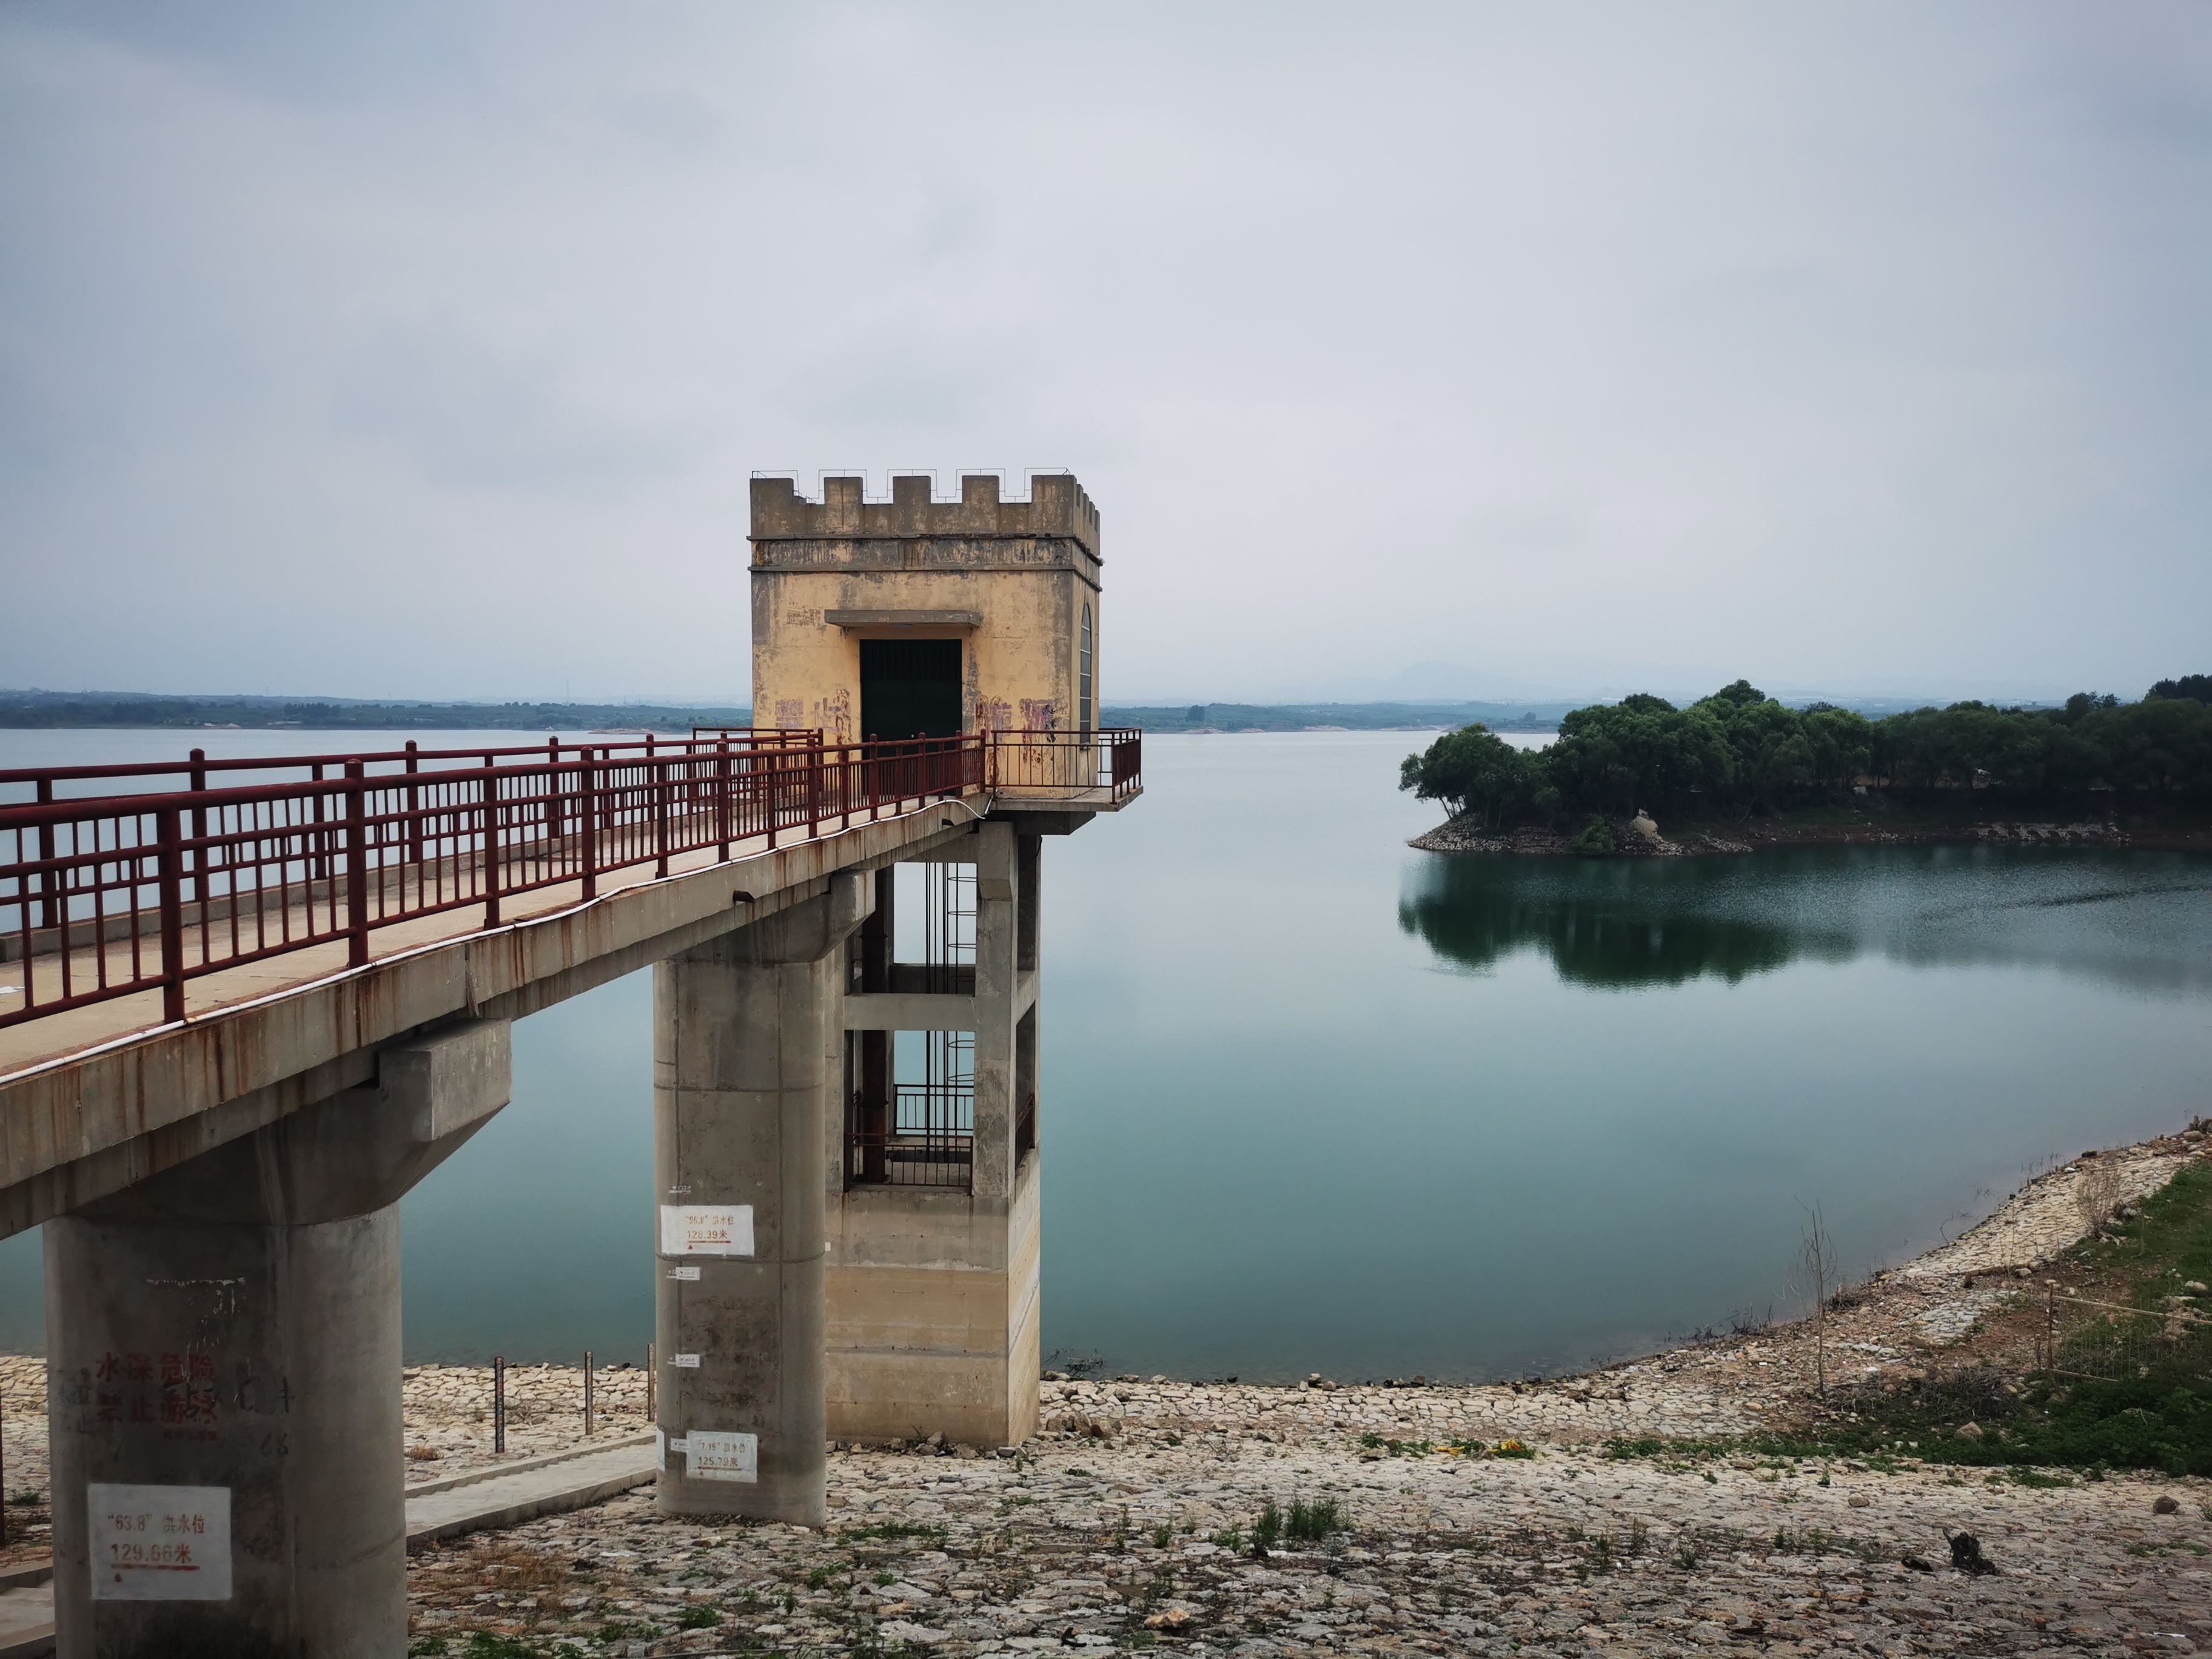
(1313, 1101)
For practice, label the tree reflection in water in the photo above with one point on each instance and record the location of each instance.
(1606, 923)
(2133, 919)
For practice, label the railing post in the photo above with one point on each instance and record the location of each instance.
(498, 1403)
(490, 793)
(722, 801)
(589, 810)
(814, 758)
(49, 882)
(199, 824)
(168, 856)
(414, 833)
(556, 810)
(356, 863)
(657, 779)
(775, 790)
(319, 865)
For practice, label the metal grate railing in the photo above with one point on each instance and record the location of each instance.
(929, 1139)
(2112, 1342)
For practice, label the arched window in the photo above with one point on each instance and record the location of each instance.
(1083, 674)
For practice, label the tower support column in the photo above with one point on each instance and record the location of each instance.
(934, 1322)
(225, 1341)
(742, 1087)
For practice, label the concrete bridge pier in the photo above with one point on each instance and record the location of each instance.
(225, 1343)
(745, 1026)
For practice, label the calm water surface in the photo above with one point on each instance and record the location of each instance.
(1316, 1102)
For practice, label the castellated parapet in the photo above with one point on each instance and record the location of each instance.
(1057, 510)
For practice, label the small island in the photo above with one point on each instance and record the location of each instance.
(1739, 770)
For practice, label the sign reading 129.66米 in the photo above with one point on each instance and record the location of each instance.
(159, 1543)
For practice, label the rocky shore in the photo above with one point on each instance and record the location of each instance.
(1465, 835)
(1613, 1513)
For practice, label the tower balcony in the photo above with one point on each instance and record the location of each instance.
(1096, 771)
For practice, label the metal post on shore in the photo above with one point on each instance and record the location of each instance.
(652, 1381)
(498, 1403)
(587, 1393)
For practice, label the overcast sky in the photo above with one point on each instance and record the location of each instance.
(425, 350)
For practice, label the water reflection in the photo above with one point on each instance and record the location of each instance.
(1598, 929)
(2129, 919)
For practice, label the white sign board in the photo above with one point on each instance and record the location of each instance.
(714, 1455)
(706, 1230)
(159, 1543)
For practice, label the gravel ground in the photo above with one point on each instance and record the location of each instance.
(1129, 1523)
(1123, 1542)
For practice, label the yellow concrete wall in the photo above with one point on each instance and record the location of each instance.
(1019, 667)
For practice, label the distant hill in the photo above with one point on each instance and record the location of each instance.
(36, 709)
(126, 708)
(1350, 716)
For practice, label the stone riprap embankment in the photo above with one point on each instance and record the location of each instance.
(1145, 1540)
(1129, 1523)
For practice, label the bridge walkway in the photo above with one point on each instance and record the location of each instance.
(88, 1026)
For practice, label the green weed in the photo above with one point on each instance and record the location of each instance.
(899, 1529)
(1310, 1523)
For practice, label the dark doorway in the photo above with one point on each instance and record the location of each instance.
(911, 688)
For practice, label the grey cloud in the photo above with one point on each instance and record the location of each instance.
(1838, 344)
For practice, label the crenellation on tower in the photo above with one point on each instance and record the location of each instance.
(1057, 509)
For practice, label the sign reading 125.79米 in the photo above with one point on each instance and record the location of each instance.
(159, 1543)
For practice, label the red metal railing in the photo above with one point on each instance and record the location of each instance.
(52, 783)
(105, 897)
(1069, 765)
(105, 894)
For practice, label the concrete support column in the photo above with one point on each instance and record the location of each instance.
(997, 906)
(225, 1343)
(743, 1037)
(934, 1292)
(1029, 1029)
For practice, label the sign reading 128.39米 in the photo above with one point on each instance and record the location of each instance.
(159, 1543)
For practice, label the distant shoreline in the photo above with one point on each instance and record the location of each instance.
(1458, 836)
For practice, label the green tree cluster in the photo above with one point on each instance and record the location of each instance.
(1740, 751)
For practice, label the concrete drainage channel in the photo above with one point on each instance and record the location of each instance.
(27, 1611)
(507, 1494)
(500, 1495)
